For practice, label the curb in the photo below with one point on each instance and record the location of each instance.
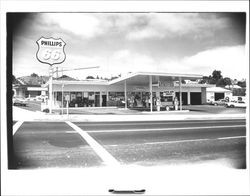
(147, 116)
(135, 118)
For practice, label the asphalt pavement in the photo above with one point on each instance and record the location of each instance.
(143, 143)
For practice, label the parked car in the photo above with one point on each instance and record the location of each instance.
(21, 101)
(239, 104)
(220, 102)
(41, 98)
(30, 98)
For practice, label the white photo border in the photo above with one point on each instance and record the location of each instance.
(98, 181)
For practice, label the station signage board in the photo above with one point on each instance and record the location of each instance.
(139, 88)
(51, 50)
(166, 93)
(166, 83)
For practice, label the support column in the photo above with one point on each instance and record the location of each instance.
(188, 97)
(62, 98)
(107, 98)
(151, 93)
(125, 93)
(180, 93)
(55, 99)
(100, 98)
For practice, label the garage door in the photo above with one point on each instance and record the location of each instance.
(195, 98)
(218, 96)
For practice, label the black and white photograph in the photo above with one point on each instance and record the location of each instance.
(129, 91)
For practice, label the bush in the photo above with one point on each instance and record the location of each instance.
(239, 92)
(46, 110)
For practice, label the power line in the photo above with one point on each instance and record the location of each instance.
(75, 69)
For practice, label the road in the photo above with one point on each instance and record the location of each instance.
(151, 143)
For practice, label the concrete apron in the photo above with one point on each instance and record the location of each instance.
(21, 114)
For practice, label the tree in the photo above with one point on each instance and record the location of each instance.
(114, 77)
(34, 75)
(13, 79)
(220, 82)
(242, 84)
(90, 77)
(64, 76)
(211, 80)
(239, 92)
(204, 80)
(216, 75)
(216, 78)
(227, 81)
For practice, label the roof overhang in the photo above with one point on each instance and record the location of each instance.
(137, 78)
(78, 82)
(37, 88)
(217, 90)
(143, 77)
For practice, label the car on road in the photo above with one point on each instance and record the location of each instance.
(238, 104)
(21, 101)
(220, 102)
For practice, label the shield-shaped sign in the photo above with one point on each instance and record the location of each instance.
(50, 50)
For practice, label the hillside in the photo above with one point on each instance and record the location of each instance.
(33, 80)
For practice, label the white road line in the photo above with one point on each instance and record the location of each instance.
(105, 156)
(227, 138)
(16, 126)
(151, 123)
(162, 129)
(178, 141)
(69, 131)
(195, 140)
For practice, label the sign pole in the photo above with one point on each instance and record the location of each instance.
(51, 51)
(180, 95)
(151, 93)
(68, 108)
(62, 98)
(50, 90)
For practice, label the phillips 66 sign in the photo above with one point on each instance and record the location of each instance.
(50, 50)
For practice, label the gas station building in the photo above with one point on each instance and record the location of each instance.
(135, 90)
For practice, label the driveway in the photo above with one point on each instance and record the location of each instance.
(194, 109)
(211, 109)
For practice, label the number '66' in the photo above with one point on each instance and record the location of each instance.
(51, 54)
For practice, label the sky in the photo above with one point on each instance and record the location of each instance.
(195, 43)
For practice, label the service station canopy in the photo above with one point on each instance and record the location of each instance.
(142, 78)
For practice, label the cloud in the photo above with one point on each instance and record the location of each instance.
(229, 60)
(120, 62)
(137, 26)
(85, 25)
(177, 24)
(125, 61)
(115, 54)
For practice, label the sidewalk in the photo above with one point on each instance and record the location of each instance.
(20, 114)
